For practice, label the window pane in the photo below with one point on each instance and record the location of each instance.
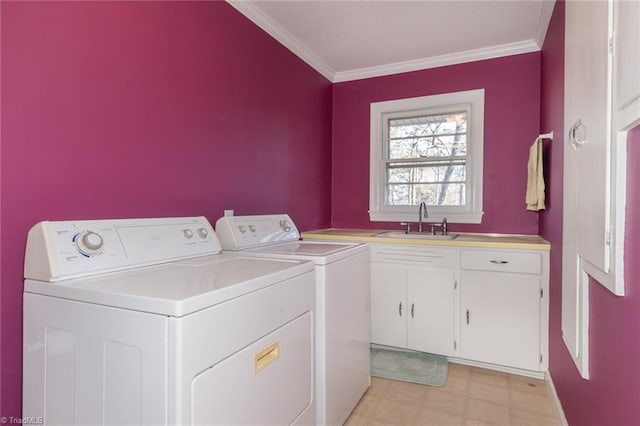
(431, 173)
(439, 135)
(433, 194)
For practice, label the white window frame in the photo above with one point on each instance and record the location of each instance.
(470, 213)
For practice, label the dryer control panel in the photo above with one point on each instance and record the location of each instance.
(244, 232)
(72, 249)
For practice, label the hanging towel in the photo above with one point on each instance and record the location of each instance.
(535, 179)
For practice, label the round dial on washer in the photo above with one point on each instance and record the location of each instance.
(203, 232)
(89, 243)
(242, 229)
(188, 233)
(252, 228)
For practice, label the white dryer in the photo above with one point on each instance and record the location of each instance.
(343, 312)
(142, 321)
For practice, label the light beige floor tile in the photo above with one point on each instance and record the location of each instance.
(495, 378)
(379, 386)
(367, 405)
(428, 417)
(528, 401)
(491, 393)
(396, 412)
(526, 384)
(458, 370)
(488, 412)
(456, 385)
(528, 418)
(475, 422)
(412, 393)
(356, 419)
(472, 397)
(446, 402)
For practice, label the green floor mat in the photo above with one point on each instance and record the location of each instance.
(414, 367)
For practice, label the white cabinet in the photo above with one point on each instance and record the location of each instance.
(412, 306)
(588, 139)
(488, 306)
(504, 307)
(388, 300)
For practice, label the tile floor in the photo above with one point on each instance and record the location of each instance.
(471, 397)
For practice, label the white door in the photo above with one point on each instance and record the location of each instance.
(501, 319)
(388, 304)
(587, 161)
(430, 303)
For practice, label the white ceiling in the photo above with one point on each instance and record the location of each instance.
(353, 39)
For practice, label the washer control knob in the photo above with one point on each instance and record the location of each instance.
(252, 228)
(242, 229)
(89, 243)
(188, 233)
(203, 233)
(285, 225)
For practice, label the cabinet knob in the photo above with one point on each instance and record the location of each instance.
(499, 262)
(467, 317)
(400, 309)
(577, 134)
(412, 308)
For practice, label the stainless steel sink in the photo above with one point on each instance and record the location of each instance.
(417, 235)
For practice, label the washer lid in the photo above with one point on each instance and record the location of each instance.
(178, 288)
(319, 252)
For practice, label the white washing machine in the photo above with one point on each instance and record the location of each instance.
(143, 322)
(343, 312)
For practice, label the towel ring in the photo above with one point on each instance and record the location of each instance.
(578, 134)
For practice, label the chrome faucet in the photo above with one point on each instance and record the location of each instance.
(422, 212)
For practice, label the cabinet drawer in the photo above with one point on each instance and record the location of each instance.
(503, 261)
(422, 255)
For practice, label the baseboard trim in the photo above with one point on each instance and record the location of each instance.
(556, 401)
(501, 368)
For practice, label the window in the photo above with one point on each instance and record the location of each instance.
(427, 149)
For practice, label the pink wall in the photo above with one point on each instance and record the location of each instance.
(610, 397)
(512, 111)
(148, 109)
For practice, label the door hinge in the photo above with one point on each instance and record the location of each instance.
(540, 358)
(612, 45)
(455, 345)
(608, 237)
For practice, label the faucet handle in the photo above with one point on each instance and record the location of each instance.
(408, 224)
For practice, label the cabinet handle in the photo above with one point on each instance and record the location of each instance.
(412, 307)
(400, 309)
(499, 262)
(467, 317)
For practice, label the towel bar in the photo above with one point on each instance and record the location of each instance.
(546, 136)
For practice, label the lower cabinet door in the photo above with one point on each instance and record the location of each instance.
(431, 310)
(388, 304)
(500, 319)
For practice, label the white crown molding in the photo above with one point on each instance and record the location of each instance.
(254, 14)
(543, 21)
(438, 61)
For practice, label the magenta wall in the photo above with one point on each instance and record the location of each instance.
(512, 111)
(148, 109)
(610, 397)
